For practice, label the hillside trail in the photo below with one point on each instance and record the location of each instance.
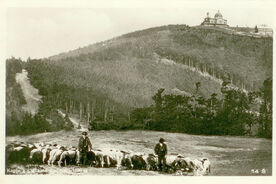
(30, 93)
(211, 77)
(204, 74)
(75, 122)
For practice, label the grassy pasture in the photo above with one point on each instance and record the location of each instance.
(228, 155)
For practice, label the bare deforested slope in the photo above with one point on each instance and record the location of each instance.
(129, 69)
(30, 93)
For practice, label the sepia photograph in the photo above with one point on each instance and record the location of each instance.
(165, 89)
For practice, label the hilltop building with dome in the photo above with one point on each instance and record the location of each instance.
(216, 21)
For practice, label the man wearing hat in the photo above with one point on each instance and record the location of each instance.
(161, 150)
(84, 146)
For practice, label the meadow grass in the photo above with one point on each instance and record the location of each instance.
(229, 155)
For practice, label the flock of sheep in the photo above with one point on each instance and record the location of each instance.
(40, 153)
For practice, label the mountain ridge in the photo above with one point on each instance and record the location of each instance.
(127, 70)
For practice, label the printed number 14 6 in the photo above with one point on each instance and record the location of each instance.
(257, 171)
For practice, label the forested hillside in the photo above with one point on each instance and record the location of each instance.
(14, 95)
(18, 120)
(108, 80)
(245, 60)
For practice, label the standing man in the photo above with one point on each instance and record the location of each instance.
(84, 146)
(161, 150)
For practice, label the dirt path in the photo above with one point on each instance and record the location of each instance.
(30, 93)
(204, 74)
(74, 121)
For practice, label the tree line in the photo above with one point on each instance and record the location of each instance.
(234, 114)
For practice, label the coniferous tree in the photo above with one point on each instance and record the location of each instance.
(256, 29)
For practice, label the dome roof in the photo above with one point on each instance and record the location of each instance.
(218, 15)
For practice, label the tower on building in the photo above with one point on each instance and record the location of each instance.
(216, 21)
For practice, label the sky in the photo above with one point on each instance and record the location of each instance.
(43, 30)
